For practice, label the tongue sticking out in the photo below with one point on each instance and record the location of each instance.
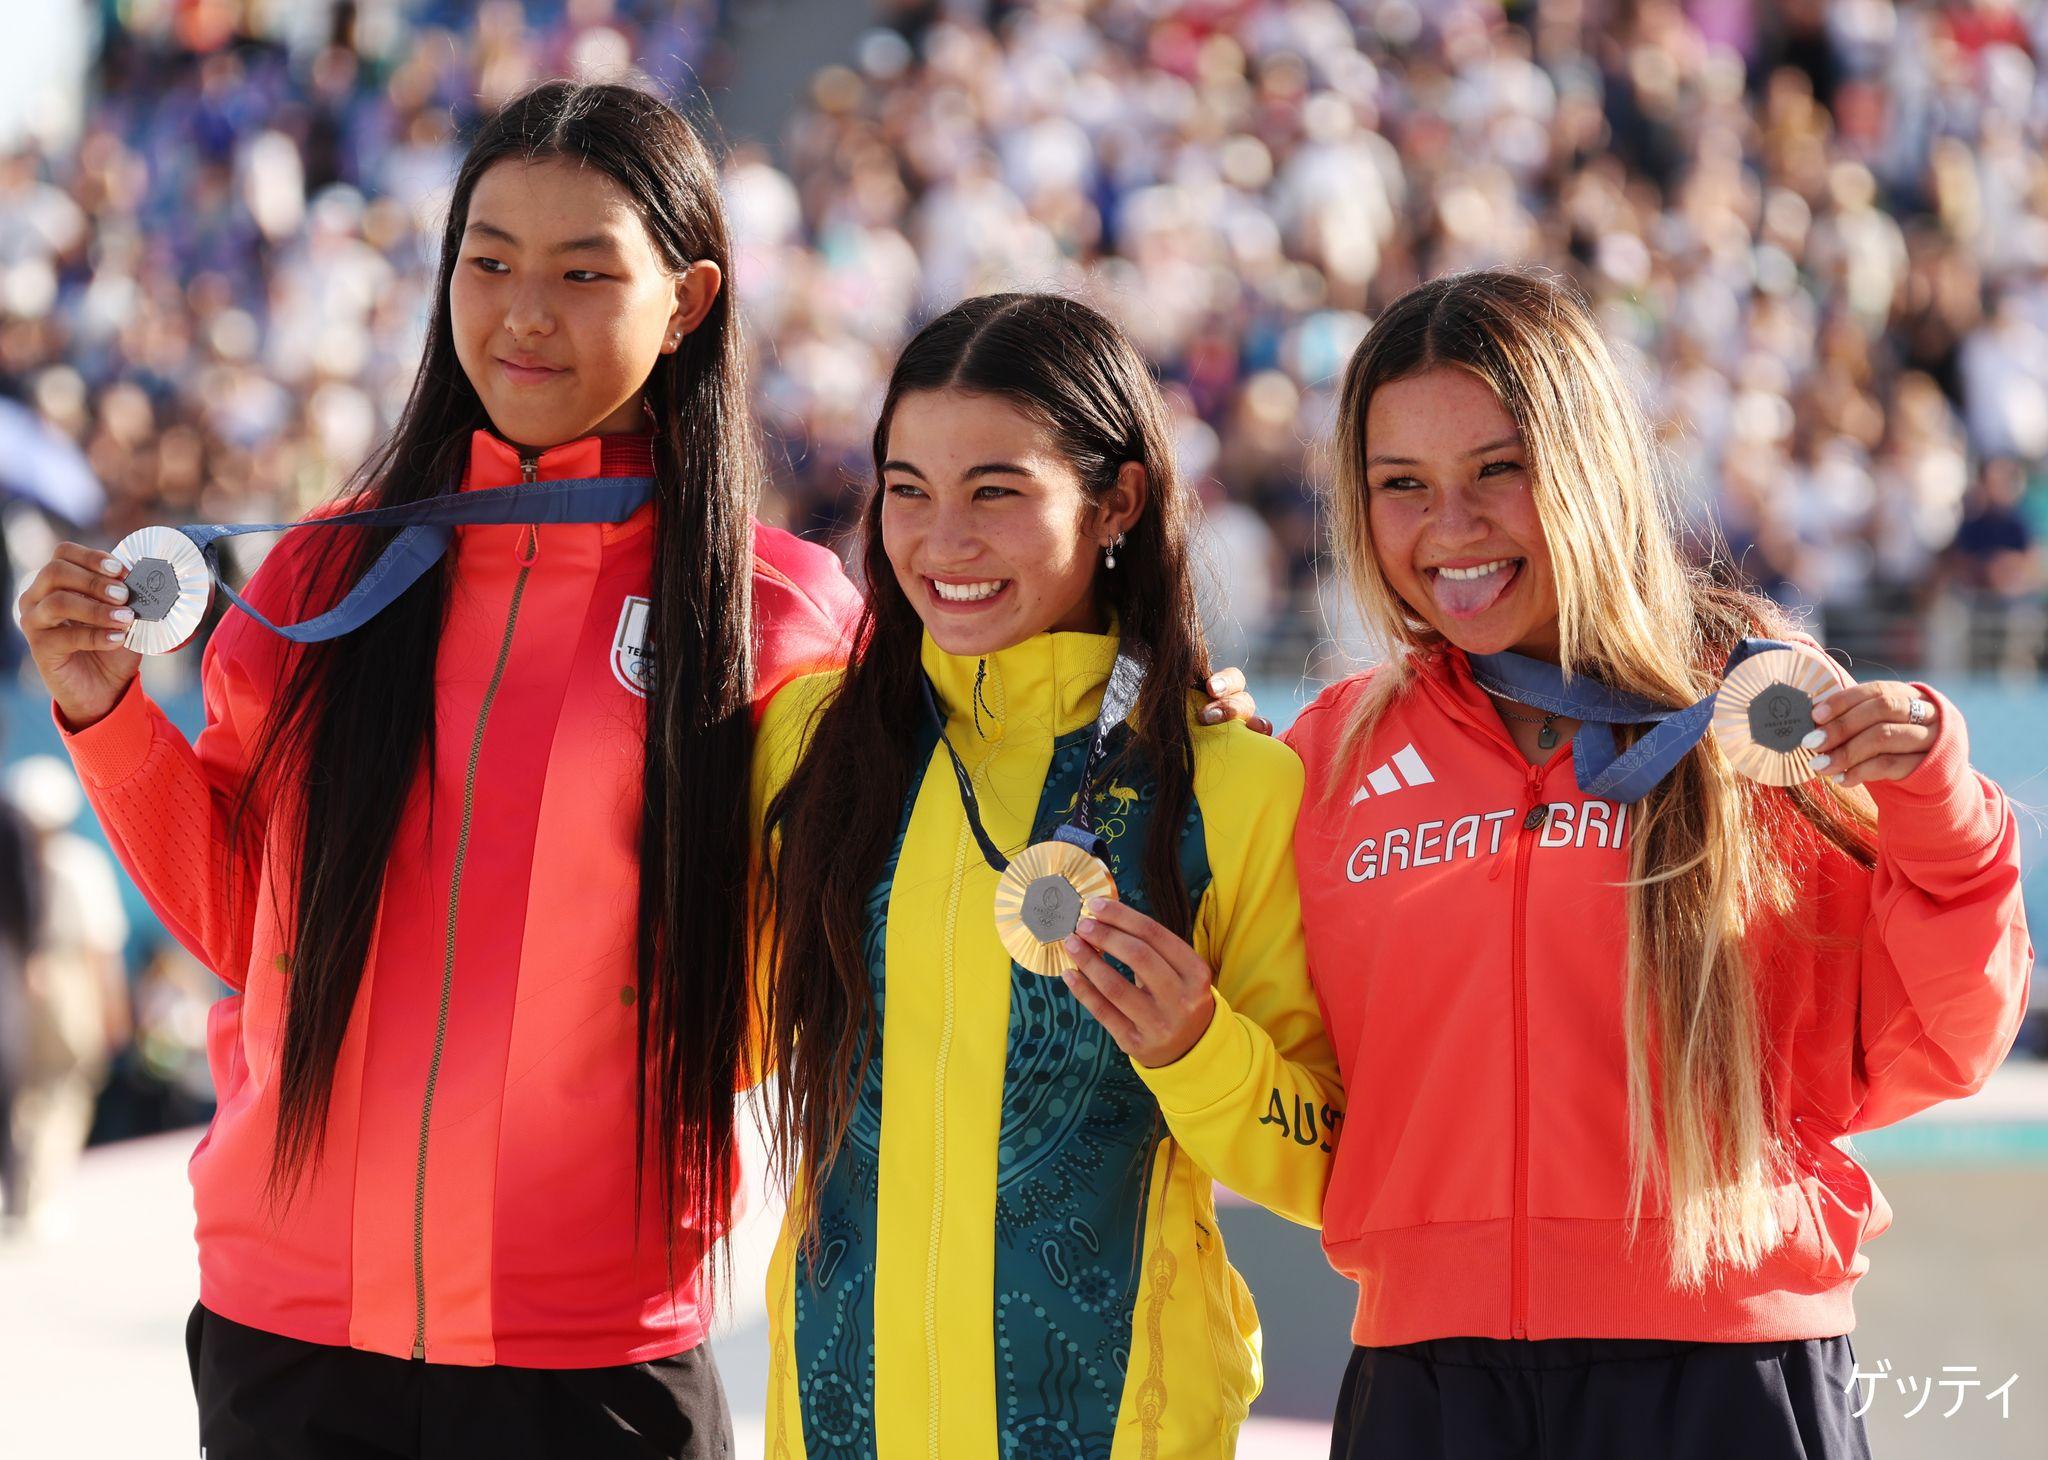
(1464, 597)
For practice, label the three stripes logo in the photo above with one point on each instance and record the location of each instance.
(1403, 769)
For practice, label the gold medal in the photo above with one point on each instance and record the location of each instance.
(1764, 711)
(169, 588)
(1040, 898)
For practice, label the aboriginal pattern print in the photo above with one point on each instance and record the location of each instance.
(835, 1300)
(1078, 1129)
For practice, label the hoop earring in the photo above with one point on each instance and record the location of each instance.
(647, 410)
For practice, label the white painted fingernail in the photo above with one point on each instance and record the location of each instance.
(118, 592)
(124, 615)
(1820, 762)
(1839, 778)
(110, 565)
(1812, 742)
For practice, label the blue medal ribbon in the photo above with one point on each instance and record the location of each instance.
(1602, 769)
(428, 529)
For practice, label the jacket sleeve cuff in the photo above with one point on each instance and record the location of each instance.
(1943, 809)
(112, 748)
(1219, 1063)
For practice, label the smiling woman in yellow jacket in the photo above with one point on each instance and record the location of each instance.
(1002, 1238)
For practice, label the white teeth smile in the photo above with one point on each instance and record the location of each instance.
(969, 592)
(1461, 575)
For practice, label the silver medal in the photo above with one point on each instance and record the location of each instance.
(169, 588)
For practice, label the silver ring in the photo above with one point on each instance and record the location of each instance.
(1920, 712)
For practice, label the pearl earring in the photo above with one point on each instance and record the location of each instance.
(1109, 550)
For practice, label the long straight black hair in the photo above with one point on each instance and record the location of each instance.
(353, 724)
(828, 832)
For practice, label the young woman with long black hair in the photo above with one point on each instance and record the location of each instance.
(473, 869)
(1001, 1236)
(1612, 1004)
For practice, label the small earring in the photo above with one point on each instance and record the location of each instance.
(1109, 550)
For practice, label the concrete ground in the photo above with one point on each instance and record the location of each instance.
(92, 1316)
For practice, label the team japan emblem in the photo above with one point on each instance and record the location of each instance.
(631, 665)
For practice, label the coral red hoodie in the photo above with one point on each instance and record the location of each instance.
(495, 1222)
(1469, 957)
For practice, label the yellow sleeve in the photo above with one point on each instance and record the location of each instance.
(1257, 1102)
(779, 744)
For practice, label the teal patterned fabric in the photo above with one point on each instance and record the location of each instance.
(1078, 1129)
(1076, 1134)
(835, 1299)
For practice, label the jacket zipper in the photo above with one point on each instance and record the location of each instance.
(476, 746)
(1534, 818)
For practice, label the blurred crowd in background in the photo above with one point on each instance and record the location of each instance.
(1818, 232)
(1819, 229)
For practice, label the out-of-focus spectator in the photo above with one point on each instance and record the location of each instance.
(159, 1080)
(76, 1002)
(1994, 568)
(20, 909)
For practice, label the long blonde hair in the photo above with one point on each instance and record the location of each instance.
(1710, 862)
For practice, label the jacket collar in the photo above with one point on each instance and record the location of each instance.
(497, 463)
(1446, 673)
(1045, 686)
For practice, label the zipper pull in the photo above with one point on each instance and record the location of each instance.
(529, 466)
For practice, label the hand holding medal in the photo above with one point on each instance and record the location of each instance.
(1161, 1011)
(1789, 715)
(1784, 714)
(75, 615)
(1764, 713)
(1879, 731)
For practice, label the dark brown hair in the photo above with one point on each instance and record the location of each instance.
(828, 831)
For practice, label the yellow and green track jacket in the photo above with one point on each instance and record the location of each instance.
(1018, 1250)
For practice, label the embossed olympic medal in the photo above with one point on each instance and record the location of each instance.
(1039, 900)
(1765, 709)
(169, 588)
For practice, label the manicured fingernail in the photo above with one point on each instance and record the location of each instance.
(118, 592)
(1073, 943)
(117, 636)
(1095, 905)
(1210, 717)
(1083, 928)
(1216, 684)
(1820, 762)
(1840, 778)
(1812, 742)
(111, 565)
(124, 615)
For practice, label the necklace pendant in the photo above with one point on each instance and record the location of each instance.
(1546, 738)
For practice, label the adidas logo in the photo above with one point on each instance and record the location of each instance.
(1405, 768)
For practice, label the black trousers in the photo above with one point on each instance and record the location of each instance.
(1599, 1399)
(264, 1397)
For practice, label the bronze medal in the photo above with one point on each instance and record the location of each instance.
(1764, 712)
